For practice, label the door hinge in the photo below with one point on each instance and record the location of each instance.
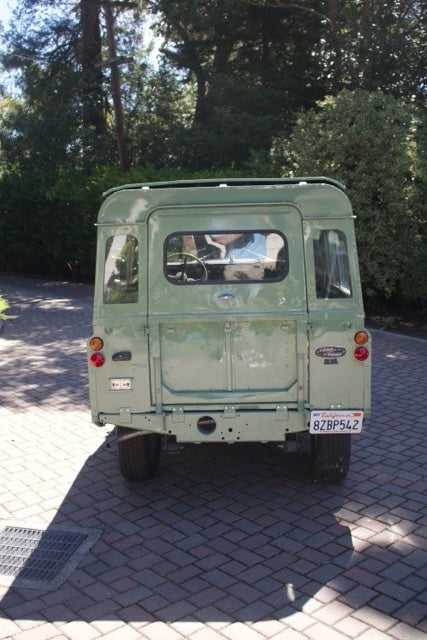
(125, 415)
(281, 413)
(229, 412)
(178, 414)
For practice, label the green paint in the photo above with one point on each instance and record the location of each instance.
(240, 351)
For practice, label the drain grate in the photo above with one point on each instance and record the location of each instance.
(31, 557)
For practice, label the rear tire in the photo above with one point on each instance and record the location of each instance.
(330, 457)
(139, 456)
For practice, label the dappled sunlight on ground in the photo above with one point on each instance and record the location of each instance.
(227, 541)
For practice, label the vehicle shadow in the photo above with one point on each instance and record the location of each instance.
(223, 534)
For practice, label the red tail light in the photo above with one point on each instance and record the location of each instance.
(361, 354)
(97, 359)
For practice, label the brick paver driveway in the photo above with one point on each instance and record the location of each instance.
(228, 542)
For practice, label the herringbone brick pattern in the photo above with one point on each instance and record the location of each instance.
(228, 542)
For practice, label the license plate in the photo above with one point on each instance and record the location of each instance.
(336, 421)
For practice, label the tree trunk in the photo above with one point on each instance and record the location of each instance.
(92, 78)
(115, 90)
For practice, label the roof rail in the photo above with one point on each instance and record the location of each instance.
(226, 182)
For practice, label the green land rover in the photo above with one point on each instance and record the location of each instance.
(229, 311)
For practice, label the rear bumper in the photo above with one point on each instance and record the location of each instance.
(217, 426)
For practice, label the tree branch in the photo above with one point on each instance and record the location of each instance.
(280, 4)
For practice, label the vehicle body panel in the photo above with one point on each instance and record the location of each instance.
(256, 356)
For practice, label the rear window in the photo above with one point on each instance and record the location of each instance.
(121, 269)
(241, 256)
(331, 265)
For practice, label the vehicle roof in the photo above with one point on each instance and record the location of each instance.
(220, 182)
(315, 197)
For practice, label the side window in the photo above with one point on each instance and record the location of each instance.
(331, 265)
(204, 258)
(121, 270)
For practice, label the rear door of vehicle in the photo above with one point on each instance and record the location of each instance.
(337, 378)
(216, 339)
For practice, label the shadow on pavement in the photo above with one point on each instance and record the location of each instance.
(223, 534)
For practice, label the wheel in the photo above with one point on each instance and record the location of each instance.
(190, 267)
(330, 456)
(139, 454)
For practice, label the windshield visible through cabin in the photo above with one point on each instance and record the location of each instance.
(203, 258)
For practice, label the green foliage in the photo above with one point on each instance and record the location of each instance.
(4, 306)
(376, 45)
(365, 140)
(247, 76)
(414, 285)
(387, 322)
(42, 232)
(49, 125)
(159, 113)
(47, 219)
(232, 75)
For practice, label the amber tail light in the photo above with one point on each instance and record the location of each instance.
(361, 353)
(96, 344)
(96, 359)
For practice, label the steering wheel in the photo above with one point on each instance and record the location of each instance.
(188, 260)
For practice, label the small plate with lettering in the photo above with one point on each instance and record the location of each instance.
(329, 421)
